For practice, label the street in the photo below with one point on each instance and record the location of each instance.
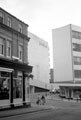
(57, 114)
(61, 110)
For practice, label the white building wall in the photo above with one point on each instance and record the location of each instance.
(38, 57)
(76, 53)
(62, 54)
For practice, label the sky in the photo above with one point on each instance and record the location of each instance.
(44, 15)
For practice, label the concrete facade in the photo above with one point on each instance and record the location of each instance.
(38, 57)
(67, 59)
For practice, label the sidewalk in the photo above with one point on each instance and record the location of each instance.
(26, 110)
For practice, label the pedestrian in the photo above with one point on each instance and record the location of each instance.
(80, 97)
(38, 102)
(43, 100)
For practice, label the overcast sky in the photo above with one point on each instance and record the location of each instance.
(44, 15)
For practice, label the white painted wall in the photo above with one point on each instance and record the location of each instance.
(78, 54)
(76, 28)
(38, 57)
(62, 55)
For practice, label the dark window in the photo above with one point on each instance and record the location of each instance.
(1, 46)
(77, 60)
(76, 47)
(9, 22)
(1, 17)
(76, 34)
(77, 73)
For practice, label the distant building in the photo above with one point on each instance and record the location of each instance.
(51, 75)
(38, 57)
(14, 68)
(67, 60)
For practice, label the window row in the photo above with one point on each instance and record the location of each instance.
(77, 73)
(77, 60)
(8, 48)
(76, 34)
(9, 22)
(76, 47)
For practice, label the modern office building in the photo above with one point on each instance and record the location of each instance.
(14, 68)
(38, 57)
(67, 60)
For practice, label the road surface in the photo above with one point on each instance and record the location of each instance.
(61, 110)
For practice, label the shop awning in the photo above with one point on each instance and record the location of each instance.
(10, 64)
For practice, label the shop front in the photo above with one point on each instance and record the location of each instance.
(71, 92)
(14, 83)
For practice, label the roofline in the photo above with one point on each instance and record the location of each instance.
(38, 37)
(13, 16)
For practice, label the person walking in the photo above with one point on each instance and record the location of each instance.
(38, 102)
(43, 100)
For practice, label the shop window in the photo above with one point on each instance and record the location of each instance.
(17, 85)
(20, 52)
(4, 85)
(9, 22)
(1, 17)
(1, 46)
(8, 48)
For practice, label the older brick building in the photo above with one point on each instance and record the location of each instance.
(14, 68)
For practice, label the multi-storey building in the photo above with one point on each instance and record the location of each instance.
(14, 68)
(38, 57)
(67, 60)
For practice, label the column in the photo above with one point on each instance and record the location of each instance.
(72, 93)
(11, 90)
(24, 89)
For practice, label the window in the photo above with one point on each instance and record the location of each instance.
(20, 52)
(4, 85)
(20, 28)
(77, 73)
(1, 46)
(77, 60)
(8, 48)
(1, 17)
(76, 34)
(9, 22)
(76, 47)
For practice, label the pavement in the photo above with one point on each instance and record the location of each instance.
(23, 110)
(69, 108)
